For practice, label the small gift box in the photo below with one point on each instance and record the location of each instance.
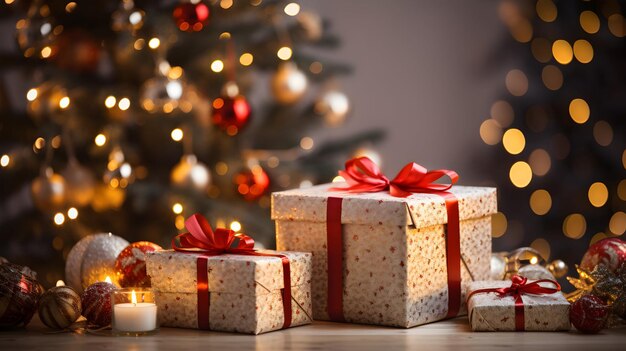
(216, 280)
(388, 252)
(517, 305)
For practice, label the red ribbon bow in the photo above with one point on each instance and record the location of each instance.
(202, 239)
(520, 286)
(363, 175)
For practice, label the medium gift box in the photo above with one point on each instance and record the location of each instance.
(517, 305)
(217, 281)
(388, 252)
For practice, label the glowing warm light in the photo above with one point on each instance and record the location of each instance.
(589, 22)
(598, 194)
(502, 112)
(46, 52)
(579, 111)
(177, 208)
(516, 82)
(64, 102)
(316, 67)
(306, 143)
(617, 27)
(499, 224)
(59, 218)
(284, 53)
(175, 72)
(621, 190)
(534, 260)
(246, 59)
(71, 6)
(603, 133)
(574, 226)
(217, 66)
(124, 104)
(108, 280)
(540, 202)
(521, 174)
(292, 9)
(338, 179)
(540, 162)
(583, 51)
(154, 43)
(226, 4)
(552, 77)
(40, 143)
(235, 226)
(31, 95)
(490, 132)
(100, 139)
(60, 283)
(562, 52)
(5, 160)
(110, 101)
(133, 297)
(179, 222)
(177, 134)
(546, 10)
(139, 44)
(617, 224)
(221, 168)
(541, 49)
(72, 213)
(513, 141)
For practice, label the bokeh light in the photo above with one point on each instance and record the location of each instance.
(552, 77)
(490, 132)
(540, 202)
(574, 226)
(513, 141)
(520, 174)
(540, 162)
(498, 224)
(516, 82)
(502, 112)
(603, 133)
(598, 194)
(589, 22)
(583, 51)
(579, 110)
(562, 52)
(617, 224)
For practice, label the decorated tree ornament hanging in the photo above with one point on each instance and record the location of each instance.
(189, 173)
(191, 15)
(49, 190)
(44, 101)
(37, 32)
(127, 17)
(160, 93)
(333, 106)
(119, 173)
(59, 307)
(252, 182)
(288, 83)
(80, 183)
(19, 293)
(92, 259)
(130, 264)
(609, 251)
(231, 111)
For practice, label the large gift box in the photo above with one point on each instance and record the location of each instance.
(384, 259)
(243, 291)
(517, 305)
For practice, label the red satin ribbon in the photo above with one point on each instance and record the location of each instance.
(520, 286)
(202, 240)
(363, 175)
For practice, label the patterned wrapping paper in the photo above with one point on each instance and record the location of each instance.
(245, 291)
(394, 253)
(489, 312)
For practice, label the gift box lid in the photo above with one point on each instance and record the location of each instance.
(172, 271)
(419, 210)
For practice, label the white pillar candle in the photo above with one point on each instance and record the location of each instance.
(135, 317)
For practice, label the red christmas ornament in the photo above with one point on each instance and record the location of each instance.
(611, 252)
(19, 293)
(78, 52)
(231, 114)
(130, 264)
(96, 301)
(252, 183)
(191, 17)
(589, 314)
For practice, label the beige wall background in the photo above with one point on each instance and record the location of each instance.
(426, 71)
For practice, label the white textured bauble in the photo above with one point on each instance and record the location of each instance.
(334, 106)
(92, 259)
(289, 83)
(189, 173)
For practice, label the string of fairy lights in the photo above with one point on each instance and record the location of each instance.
(529, 164)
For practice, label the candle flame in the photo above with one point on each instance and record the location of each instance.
(108, 280)
(133, 297)
(60, 283)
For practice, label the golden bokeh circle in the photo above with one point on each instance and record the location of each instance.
(490, 132)
(540, 202)
(621, 190)
(498, 224)
(617, 224)
(541, 49)
(589, 22)
(579, 110)
(546, 10)
(617, 26)
(502, 111)
(562, 52)
(598, 194)
(513, 141)
(520, 174)
(597, 237)
(583, 51)
(552, 77)
(603, 133)
(516, 82)
(540, 162)
(574, 226)
(542, 246)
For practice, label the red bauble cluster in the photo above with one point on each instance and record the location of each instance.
(252, 183)
(191, 17)
(96, 302)
(589, 314)
(231, 113)
(19, 293)
(130, 264)
(611, 252)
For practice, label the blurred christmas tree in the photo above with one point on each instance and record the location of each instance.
(560, 171)
(129, 116)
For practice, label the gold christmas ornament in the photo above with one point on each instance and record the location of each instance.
(80, 183)
(289, 83)
(59, 307)
(191, 174)
(334, 106)
(558, 268)
(36, 33)
(49, 190)
(119, 173)
(106, 197)
(92, 259)
(506, 264)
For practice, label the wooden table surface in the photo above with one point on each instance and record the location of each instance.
(447, 335)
